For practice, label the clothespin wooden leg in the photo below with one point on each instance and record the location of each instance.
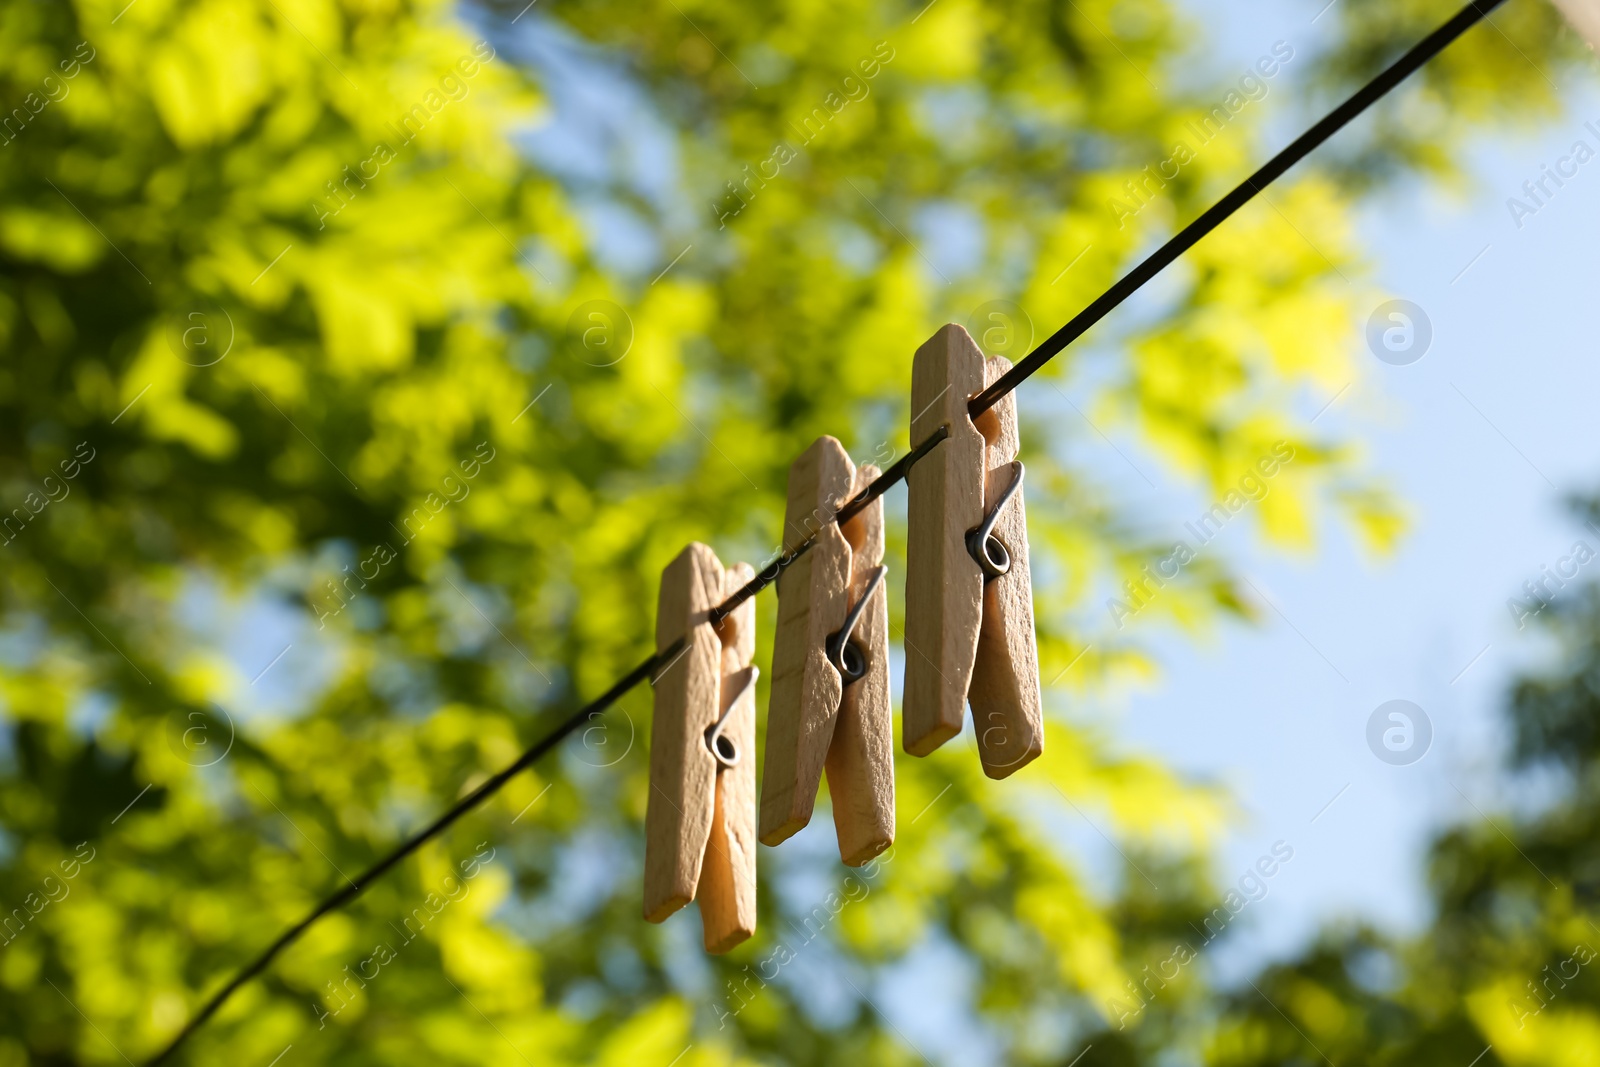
(727, 890)
(812, 604)
(1006, 704)
(969, 592)
(699, 819)
(1584, 16)
(683, 772)
(861, 756)
(944, 585)
(830, 704)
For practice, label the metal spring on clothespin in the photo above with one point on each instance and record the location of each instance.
(988, 550)
(723, 748)
(843, 653)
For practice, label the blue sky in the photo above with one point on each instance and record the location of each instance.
(1482, 438)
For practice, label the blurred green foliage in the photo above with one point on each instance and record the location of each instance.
(1505, 971)
(299, 354)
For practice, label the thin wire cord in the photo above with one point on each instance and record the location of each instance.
(1052, 346)
(1246, 191)
(878, 486)
(433, 829)
(1152, 265)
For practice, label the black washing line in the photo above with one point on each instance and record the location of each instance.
(1052, 346)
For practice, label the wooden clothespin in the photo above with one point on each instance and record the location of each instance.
(830, 664)
(1585, 18)
(700, 838)
(969, 595)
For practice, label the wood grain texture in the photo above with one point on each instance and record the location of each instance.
(727, 890)
(812, 603)
(1585, 18)
(1005, 699)
(944, 586)
(861, 758)
(682, 770)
